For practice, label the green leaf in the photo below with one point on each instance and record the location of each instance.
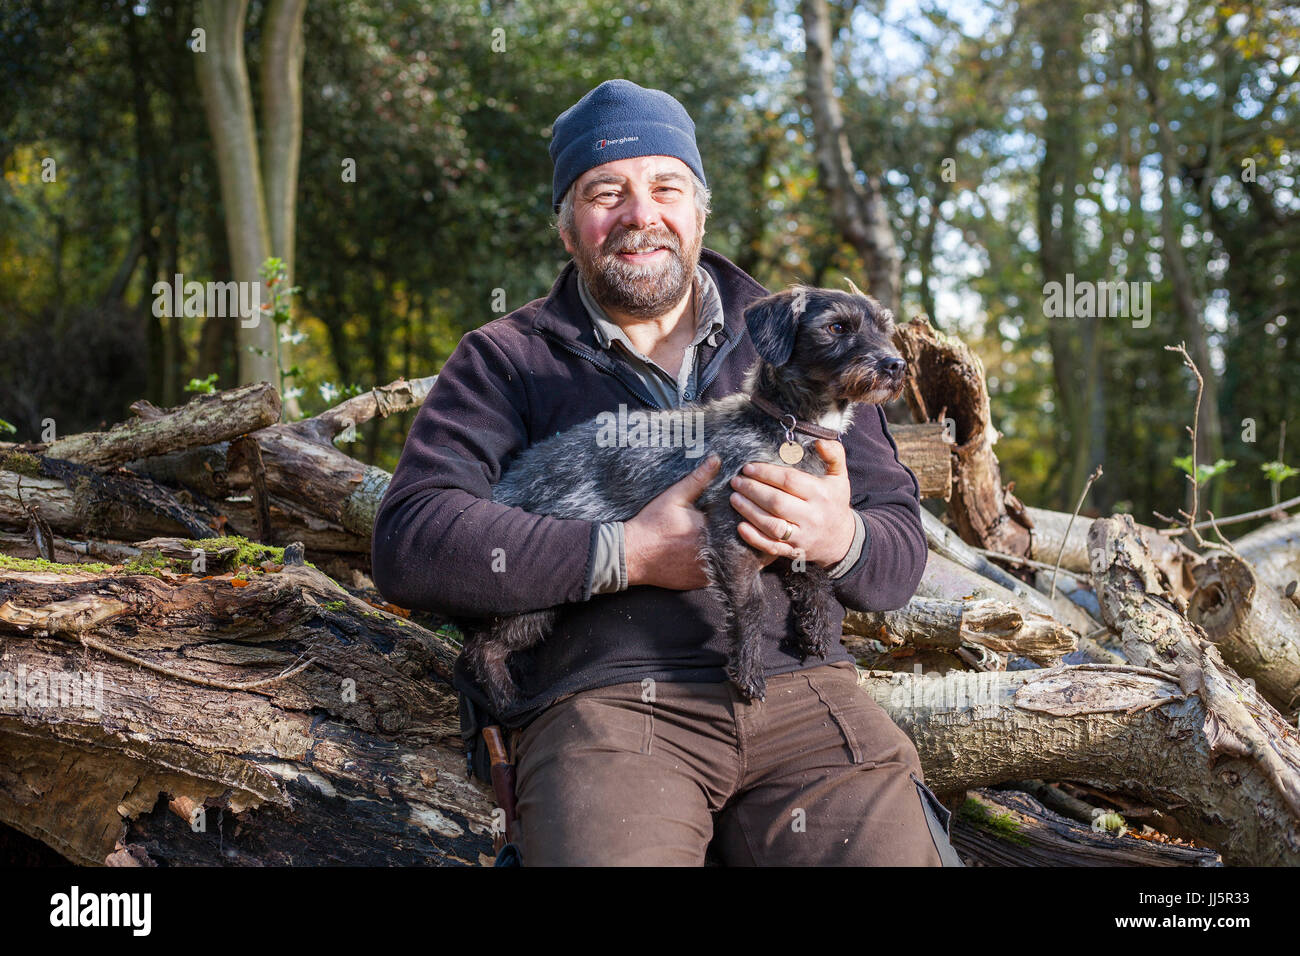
(1203, 472)
(204, 385)
(1278, 471)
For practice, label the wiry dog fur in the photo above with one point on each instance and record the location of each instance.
(820, 352)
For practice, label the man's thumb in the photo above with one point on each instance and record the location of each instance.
(693, 485)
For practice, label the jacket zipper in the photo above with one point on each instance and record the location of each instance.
(716, 366)
(583, 353)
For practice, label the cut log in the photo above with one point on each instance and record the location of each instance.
(203, 421)
(1130, 728)
(927, 452)
(1002, 628)
(79, 500)
(945, 379)
(943, 579)
(1256, 629)
(1251, 746)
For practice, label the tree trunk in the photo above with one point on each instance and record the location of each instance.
(228, 102)
(857, 207)
(282, 57)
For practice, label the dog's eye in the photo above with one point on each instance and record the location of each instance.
(839, 328)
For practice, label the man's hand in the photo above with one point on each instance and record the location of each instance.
(814, 510)
(661, 545)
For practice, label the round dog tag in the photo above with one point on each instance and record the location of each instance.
(791, 452)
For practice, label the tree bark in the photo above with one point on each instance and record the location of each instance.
(945, 380)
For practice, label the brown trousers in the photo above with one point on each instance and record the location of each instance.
(651, 775)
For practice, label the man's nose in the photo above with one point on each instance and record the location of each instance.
(640, 211)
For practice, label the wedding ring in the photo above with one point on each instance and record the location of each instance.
(789, 530)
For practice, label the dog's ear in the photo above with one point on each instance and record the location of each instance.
(772, 325)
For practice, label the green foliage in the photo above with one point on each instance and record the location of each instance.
(204, 386)
(1034, 103)
(1278, 472)
(1203, 472)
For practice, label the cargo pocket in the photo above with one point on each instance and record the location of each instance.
(938, 818)
(614, 719)
(847, 709)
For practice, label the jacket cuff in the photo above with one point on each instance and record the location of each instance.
(856, 550)
(608, 562)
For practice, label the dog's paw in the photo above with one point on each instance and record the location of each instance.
(752, 686)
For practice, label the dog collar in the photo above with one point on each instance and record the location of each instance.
(793, 424)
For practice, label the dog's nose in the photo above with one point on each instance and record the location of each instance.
(892, 366)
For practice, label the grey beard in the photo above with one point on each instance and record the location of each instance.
(644, 291)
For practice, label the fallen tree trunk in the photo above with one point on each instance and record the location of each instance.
(305, 475)
(206, 740)
(79, 500)
(1251, 745)
(1130, 728)
(1010, 828)
(1273, 550)
(1048, 534)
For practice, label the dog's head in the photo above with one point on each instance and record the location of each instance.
(838, 343)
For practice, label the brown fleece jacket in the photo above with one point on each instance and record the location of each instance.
(537, 371)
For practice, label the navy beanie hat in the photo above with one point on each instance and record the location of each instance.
(619, 120)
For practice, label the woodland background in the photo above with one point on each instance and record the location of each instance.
(1144, 141)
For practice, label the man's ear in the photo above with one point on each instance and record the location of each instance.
(772, 326)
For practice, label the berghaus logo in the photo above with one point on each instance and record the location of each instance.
(601, 144)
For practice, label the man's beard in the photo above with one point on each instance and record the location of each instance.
(644, 291)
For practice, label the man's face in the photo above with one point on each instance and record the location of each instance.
(638, 236)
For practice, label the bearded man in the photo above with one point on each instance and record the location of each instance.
(632, 746)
